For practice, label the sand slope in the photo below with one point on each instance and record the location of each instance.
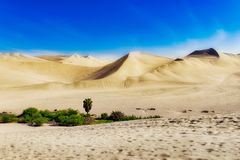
(131, 65)
(130, 70)
(20, 70)
(195, 70)
(55, 58)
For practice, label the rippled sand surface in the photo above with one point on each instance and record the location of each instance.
(188, 137)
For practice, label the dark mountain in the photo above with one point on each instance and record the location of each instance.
(205, 52)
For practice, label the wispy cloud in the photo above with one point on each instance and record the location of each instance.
(222, 41)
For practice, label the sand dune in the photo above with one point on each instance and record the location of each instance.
(18, 57)
(88, 61)
(195, 70)
(133, 69)
(114, 75)
(131, 65)
(55, 58)
(21, 70)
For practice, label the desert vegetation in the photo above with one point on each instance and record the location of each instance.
(66, 117)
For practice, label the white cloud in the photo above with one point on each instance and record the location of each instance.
(222, 41)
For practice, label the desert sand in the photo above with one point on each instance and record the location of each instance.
(136, 80)
(133, 84)
(192, 137)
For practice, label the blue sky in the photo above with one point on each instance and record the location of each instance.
(167, 27)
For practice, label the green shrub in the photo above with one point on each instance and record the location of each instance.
(72, 120)
(7, 118)
(104, 116)
(29, 112)
(67, 112)
(31, 118)
(132, 117)
(38, 121)
(34, 117)
(117, 116)
(150, 117)
(100, 121)
(72, 112)
(48, 114)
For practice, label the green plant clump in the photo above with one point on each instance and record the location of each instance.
(117, 116)
(104, 116)
(132, 117)
(38, 121)
(72, 120)
(48, 114)
(67, 113)
(7, 118)
(66, 117)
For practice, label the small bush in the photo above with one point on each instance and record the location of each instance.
(29, 112)
(150, 117)
(104, 116)
(8, 118)
(132, 117)
(72, 112)
(102, 121)
(48, 114)
(38, 121)
(31, 118)
(117, 116)
(67, 113)
(72, 120)
(34, 117)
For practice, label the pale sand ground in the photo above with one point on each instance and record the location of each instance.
(195, 137)
(168, 101)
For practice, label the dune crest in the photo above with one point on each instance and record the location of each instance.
(18, 57)
(131, 65)
(133, 69)
(195, 70)
(88, 61)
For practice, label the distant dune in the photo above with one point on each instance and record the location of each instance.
(198, 67)
(55, 58)
(88, 61)
(21, 70)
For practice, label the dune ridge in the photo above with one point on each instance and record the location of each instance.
(88, 61)
(134, 80)
(135, 68)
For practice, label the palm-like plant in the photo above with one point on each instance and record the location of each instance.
(87, 104)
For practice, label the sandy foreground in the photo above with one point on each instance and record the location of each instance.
(207, 136)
